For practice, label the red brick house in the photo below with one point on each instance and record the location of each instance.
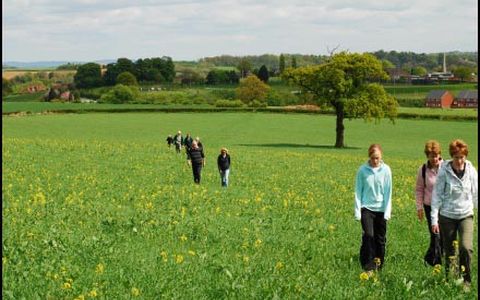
(439, 98)
(467, 99)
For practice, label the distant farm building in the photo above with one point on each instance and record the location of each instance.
(467, 99)
(32, 88)
(439, 98)
(59, 91)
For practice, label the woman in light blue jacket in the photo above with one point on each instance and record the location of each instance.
(373, 205)
(454, 196)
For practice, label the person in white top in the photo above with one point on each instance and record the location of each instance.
(454, 197)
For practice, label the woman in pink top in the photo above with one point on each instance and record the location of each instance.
(426, 177)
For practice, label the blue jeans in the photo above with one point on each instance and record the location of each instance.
(224, 177)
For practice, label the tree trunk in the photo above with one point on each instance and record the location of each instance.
(340, 128)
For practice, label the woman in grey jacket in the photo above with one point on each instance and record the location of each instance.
(455, 194)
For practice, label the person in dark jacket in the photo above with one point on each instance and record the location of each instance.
(187, 141)
(196, 158)
(223, 163)
(169, 140)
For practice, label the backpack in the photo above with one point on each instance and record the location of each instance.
(434, 254)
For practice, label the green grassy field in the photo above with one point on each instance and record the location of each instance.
(97, 206)
(425, 89)
(39, 107)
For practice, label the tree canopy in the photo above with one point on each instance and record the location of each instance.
(346, 82)
(126, 78)
(263, 74)
(252, 90)
(244, 66)
(88, 75)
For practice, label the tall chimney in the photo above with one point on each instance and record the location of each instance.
(444, 63)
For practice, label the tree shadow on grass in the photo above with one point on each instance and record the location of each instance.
(291, 145)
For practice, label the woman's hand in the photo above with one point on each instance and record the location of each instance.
(420, 214)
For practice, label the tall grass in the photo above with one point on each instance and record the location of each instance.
(96, 205)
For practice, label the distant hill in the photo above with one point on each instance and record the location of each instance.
(46, 64)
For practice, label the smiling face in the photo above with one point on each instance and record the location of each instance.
(434, 159)
(375, 158)
(458, 160)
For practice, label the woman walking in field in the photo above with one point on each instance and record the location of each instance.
(373, 205)
(223, 164)
(426, 178)
(455, 194)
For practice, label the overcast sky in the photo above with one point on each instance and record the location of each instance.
(89, 30)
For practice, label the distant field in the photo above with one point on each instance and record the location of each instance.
(38, 107)
(9, 74)
(424, 89)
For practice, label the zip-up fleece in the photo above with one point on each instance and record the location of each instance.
(373, 190)
(454, 198)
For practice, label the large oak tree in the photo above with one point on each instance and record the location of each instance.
(347, 82)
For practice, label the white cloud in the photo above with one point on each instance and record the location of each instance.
(191, 29)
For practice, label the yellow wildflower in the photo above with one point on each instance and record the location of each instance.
(100, 268)
(183, 238)
(67, 285)
(164, 256)
(80, 297)
(258, 243)
(93, 293)
(364, 276)
(279, 265)
(135, 292)
(191, 252)
(179, 259)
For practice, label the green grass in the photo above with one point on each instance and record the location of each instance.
(470, 112)
(34, 97)
(97, 204)
(425, 89)
(38, 107)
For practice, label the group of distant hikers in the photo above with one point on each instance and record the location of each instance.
(196, 156)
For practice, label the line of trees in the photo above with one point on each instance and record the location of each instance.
(125, 71)
(401, 60)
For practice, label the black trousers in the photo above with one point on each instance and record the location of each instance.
(374, 228)
(428, 216)
(197, 170)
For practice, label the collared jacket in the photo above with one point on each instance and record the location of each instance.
(223, 163)
(373, 189)
(424, 188)
(453, 197)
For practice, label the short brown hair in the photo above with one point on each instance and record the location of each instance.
(458, 147)
(374, 147)
(432, 146)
